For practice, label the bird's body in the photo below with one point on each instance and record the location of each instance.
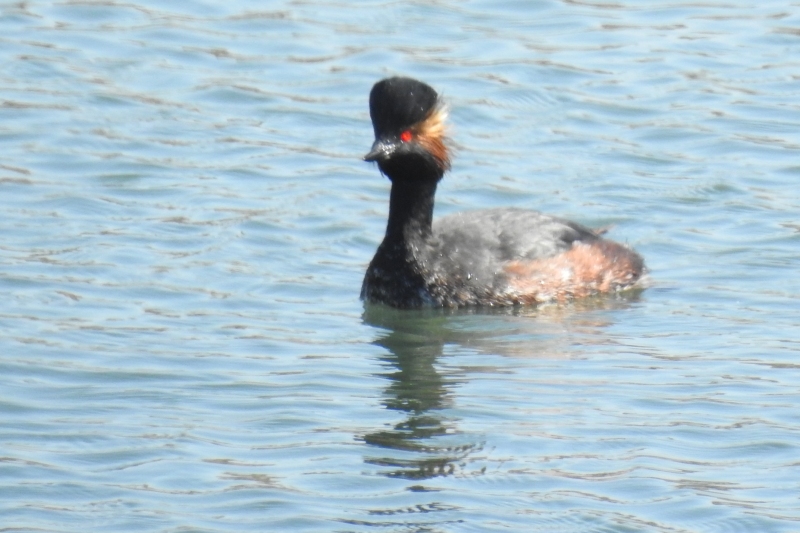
(494, 257)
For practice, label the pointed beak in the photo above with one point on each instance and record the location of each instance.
(381, 150)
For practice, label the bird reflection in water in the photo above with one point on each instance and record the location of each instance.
(415, 341)
(427, 443)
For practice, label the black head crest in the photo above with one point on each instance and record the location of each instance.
(398, 103)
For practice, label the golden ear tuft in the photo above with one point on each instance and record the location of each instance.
(431, 133)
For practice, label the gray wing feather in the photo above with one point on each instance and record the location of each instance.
(508, 234)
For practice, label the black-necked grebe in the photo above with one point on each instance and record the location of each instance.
(494, 257)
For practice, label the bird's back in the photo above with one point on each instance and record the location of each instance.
(516, 256)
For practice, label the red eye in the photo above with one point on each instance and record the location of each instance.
(406, 136)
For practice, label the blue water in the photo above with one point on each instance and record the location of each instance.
(186, 221)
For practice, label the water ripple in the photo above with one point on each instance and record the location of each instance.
(187, 221)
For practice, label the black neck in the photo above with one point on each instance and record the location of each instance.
(410, 209)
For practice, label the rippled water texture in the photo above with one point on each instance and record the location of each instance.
(186, 221)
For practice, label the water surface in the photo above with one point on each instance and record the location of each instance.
(186, 221)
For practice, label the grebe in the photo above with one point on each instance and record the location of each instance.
(493, 257)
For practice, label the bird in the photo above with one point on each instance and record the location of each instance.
(496, 257)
